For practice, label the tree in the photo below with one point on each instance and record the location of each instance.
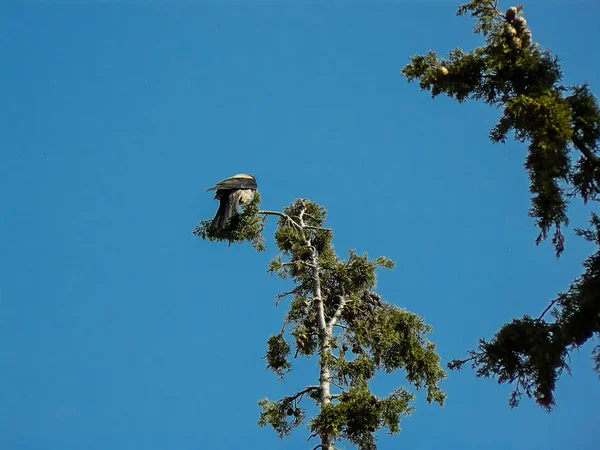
(559, 123)
(335, 314)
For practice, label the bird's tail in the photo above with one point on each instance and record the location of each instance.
(228, 209)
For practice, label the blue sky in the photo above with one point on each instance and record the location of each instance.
(121, 330)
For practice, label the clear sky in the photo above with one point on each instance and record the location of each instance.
(120, 330)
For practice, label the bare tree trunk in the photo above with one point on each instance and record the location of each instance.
(324, 352)
(325, 338)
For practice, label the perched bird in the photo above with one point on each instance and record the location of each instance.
(231, 192)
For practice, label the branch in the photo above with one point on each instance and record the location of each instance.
(318, 446)
(495, 5)
(585, 151)
(301, 393)
(336, 385)
(280, 214)
(310, 227)
(274, 213)
(278, 297)
(462, 361)
(338, 311)
(314, 261)
(547, 308)
(288, 218)
(302, 212)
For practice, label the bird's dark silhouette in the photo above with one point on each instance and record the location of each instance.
(231, 192)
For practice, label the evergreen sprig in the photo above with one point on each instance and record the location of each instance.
(559, 123)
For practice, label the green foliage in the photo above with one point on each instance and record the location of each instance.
(526, 351)
(358, 414)
(246, 226)
(534, 352)
(515, 74)
(484, 13)
(333, 312)
(278, 351)
(282, 415)
(389, 338)
(585, 122)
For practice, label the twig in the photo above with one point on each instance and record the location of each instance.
(318, 446)
(336, 385)
(273, 213)
(312, 436)
(495, 5)
(300, 393)
(279, 214)
(288, 218)
(585, 151)
(462, 361)
(278, 297)
(547, 308)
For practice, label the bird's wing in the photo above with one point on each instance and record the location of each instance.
(240, 181)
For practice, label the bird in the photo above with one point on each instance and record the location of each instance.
(231, 192)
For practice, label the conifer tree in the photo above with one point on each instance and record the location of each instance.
(336, 315)
(561, 126)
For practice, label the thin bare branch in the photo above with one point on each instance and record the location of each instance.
(462, 361)
(278, 297)
(299, 394)
(495, 5)
(547, 308)
(273, 213)
(586, 151)
(288, 218)
(336, 385)
(279, 214)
